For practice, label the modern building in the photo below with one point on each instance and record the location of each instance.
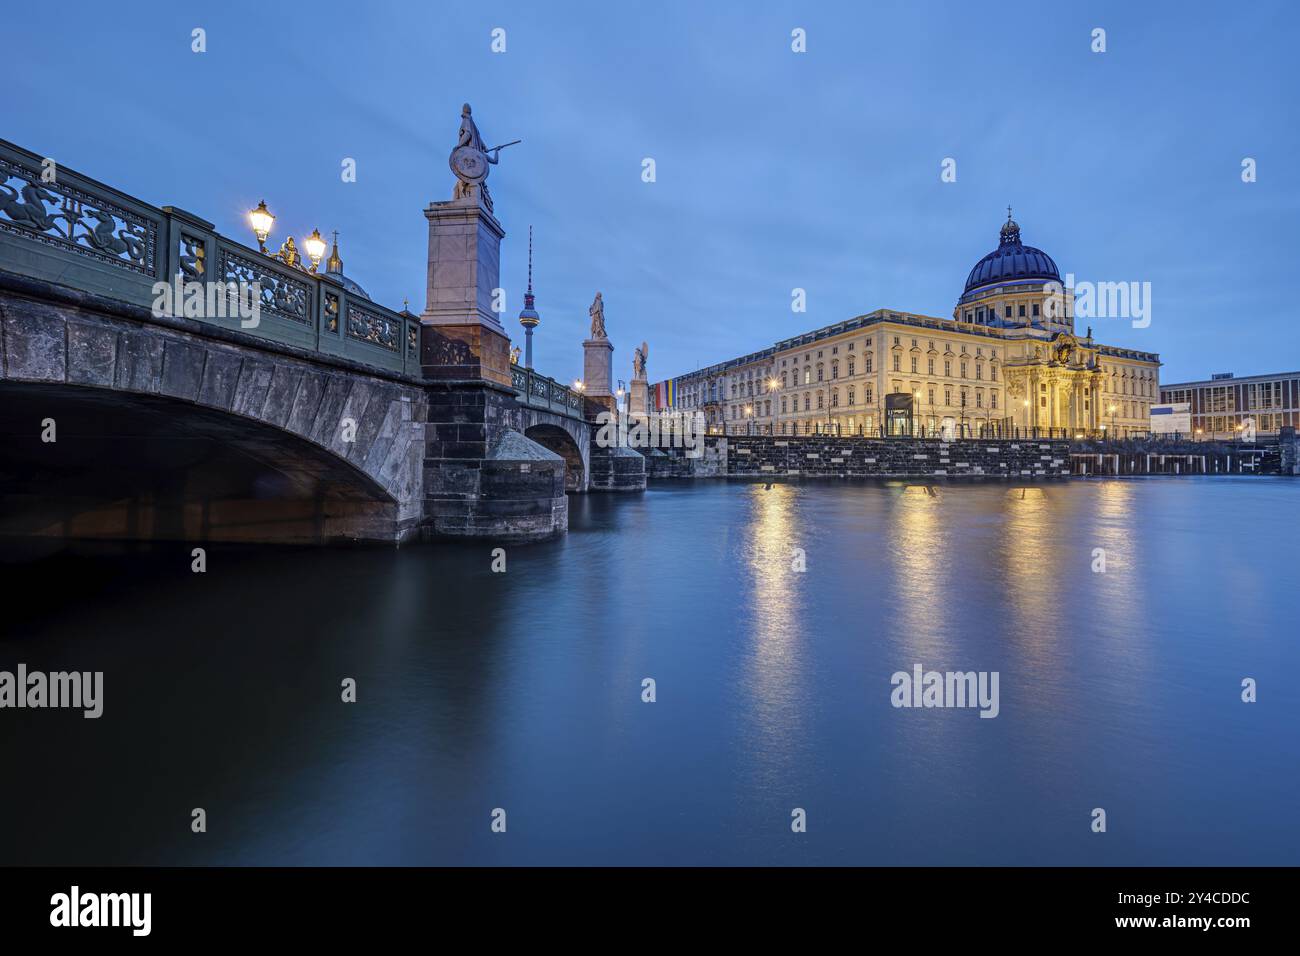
(1009, 357)
(1221, 404)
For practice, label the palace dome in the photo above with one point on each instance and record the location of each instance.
(1011, 260)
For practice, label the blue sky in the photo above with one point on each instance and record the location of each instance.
(774, 170)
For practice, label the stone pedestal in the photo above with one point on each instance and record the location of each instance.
(638, 398)
(598, 367)
(464, 272)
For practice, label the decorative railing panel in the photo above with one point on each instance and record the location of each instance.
(282, 294)
(50, 210)
(367, 326)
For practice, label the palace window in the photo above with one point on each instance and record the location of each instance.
(929, 364)
(979, 316)
(947, 368)
(993, 372)
(866, 363)
(1022, 312)
(979, 398)
(1007, 313)
(835, 398)
(963, 369)
(835, 369)
(850, 394)
(931, 396)
(947, 396)
(807, 400)
(993, 399)
(969, 316)
(1035, 310)
(913, 364)
(898, 361)
(866, 395)
(821, 401)
(820, 371)
(783, 408)
(807, 375)
(979, 371)
(851, 372)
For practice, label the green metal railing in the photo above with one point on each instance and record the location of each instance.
(539, 391)
(64, 228)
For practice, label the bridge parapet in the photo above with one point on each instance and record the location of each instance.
(542, 392)
(64, 228)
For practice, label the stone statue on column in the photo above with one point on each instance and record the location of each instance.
(597, 313)
(470, 160)
(598, 360)
(639, 356)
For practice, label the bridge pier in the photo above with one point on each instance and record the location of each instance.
(482, 476)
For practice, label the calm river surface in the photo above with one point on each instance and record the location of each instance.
(522, 690)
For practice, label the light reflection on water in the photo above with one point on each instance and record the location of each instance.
(523, 690)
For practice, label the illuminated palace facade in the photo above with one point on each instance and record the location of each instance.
(1009, 356)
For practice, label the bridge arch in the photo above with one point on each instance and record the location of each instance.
(164, 435)
(554, 437)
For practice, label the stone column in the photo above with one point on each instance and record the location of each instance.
(1033, 400)
(598, 372)
(463, 279)
(638, 398)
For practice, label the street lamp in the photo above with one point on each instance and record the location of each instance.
(315, 247)
(262, 221)
(1112, 418)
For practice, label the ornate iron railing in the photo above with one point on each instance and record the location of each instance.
(540, 391)
(65, 228)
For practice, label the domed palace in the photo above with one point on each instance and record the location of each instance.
(1009, 359)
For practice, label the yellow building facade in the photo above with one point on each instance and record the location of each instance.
(1009, 359)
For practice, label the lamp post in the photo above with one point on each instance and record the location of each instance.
(1112, 411)
(262, 221)
(315, 247)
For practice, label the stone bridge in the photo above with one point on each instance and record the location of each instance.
(127, 414)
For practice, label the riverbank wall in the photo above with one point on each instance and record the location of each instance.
(825, 456)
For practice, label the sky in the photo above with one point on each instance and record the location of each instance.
(774, 170)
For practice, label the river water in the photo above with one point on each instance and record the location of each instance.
(770, 619)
